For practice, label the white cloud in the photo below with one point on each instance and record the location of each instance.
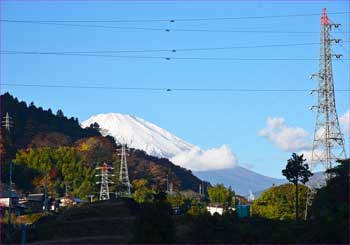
(200, 160)
(314, 165)
(345, 122)
(285, 137)
(308, 156)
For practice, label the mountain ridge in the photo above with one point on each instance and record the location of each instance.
(242, 180)
(139, 134)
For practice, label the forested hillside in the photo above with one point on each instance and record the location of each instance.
(41, 142)
(33, 125)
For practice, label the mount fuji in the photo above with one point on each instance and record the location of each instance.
(140, 134)
(217, 165)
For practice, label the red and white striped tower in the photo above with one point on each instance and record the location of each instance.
(328, 143)
(104, 190)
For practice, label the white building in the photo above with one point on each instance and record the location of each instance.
(214, 209)
(220, 210)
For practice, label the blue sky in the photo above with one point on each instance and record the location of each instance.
(206, 119)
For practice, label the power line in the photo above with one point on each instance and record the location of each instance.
(161, 50)
(165, 89)
(165, 57)
(183, 19)
(161, 29)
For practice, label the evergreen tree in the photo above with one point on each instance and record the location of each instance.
(59, 113)
(296, 171)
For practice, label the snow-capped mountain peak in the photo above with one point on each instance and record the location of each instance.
(139, 134)
(143, 135)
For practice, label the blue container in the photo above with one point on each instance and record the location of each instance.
(243, 210)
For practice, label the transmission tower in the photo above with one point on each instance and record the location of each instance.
(7, 124)
(169, 185)
(123, 174)
(328, 143)
(104, 191)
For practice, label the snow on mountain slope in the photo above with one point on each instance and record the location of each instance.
(141, 134)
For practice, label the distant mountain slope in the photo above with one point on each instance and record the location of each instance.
(240, 179)
(317, 180)
(243, 180)
(139, 134)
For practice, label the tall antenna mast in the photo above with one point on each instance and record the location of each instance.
(123, 174)
(328, 143)
(104, 191)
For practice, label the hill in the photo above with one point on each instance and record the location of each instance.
(107, 222)
(39, 133)
(29, 122)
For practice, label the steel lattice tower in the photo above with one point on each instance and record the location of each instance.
(328, 142)
(7, 123)
(123, 174)
(104, 191)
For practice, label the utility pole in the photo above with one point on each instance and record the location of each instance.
(123, 174)
(7, 123)
(46, 203)
(66, 189)
(328, 143)
(91, 197)
(104, 191)
(200, 189)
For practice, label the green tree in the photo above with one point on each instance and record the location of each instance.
(59, 113)
(219, 194)
(63, 164)
(278, 202)
(332, 201)
(330, 208)
(297, 171)
(142, 191)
